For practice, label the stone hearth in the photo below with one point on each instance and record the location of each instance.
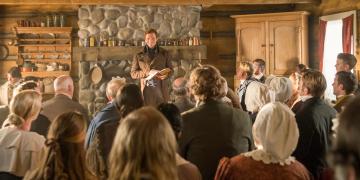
(128, 23)
(116, 62)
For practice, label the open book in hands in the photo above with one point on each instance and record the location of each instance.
(162, 74)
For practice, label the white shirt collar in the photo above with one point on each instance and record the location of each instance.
(306, 97)
(259, 76)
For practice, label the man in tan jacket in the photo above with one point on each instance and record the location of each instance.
(153, 67)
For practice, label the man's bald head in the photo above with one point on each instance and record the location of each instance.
(180, 86)
(64, 85)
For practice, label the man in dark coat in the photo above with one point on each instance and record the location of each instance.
(61, 103)
(344, 86)
(213, 129)
(146, 66)
(314, 119)
(109, 112)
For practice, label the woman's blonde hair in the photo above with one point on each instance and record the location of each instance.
(24, 106)
(246, 67)
(144, 148)
(205, 82)
(64, 153)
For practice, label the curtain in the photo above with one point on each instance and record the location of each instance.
(347, 33)
(322, 32)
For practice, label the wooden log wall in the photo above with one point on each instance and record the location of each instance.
(155, 2)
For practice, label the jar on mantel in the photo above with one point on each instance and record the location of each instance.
(86, 42)
(196, 41)
(191, 41)
(103, 41)
(92, 41)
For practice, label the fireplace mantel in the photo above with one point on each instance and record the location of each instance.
(127, 53)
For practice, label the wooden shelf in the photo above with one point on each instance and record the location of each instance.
(45, 53)
(43, 45)
(39, 39)
(35, 42)
(49, 60)
(42, 30)
(43, 74)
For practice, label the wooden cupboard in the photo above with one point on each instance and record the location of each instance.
(281, 39)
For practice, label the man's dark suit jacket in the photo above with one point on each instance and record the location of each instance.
(211, 131)
(60, 104)
(314, 120)
(108, 113)
(52, 108)
(343, 101)
(40, 125)
(183, 103)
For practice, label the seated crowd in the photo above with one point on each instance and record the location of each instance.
(269, 128)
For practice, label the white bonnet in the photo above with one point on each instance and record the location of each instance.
(281, 88)
(275, 130)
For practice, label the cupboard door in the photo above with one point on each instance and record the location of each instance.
(284, 46)
(250, 41)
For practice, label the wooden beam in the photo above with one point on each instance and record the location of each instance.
(152, 2)
(245, 9)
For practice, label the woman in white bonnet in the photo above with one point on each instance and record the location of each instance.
(276, 135)
(280, 89)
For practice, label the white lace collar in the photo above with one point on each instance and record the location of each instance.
(261, 155)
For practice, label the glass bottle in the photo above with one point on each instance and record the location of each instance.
(56, 20)
(86, 42)
(105, 42)
(48, 21)
(62, 20)
(190, 41)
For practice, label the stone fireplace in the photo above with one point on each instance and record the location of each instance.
(129, 24)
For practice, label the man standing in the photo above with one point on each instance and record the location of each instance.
(13, 79)
(259, 69)
(344, 86)
(147, 66)
(314, 119)
(244, 74)
(345, 62)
